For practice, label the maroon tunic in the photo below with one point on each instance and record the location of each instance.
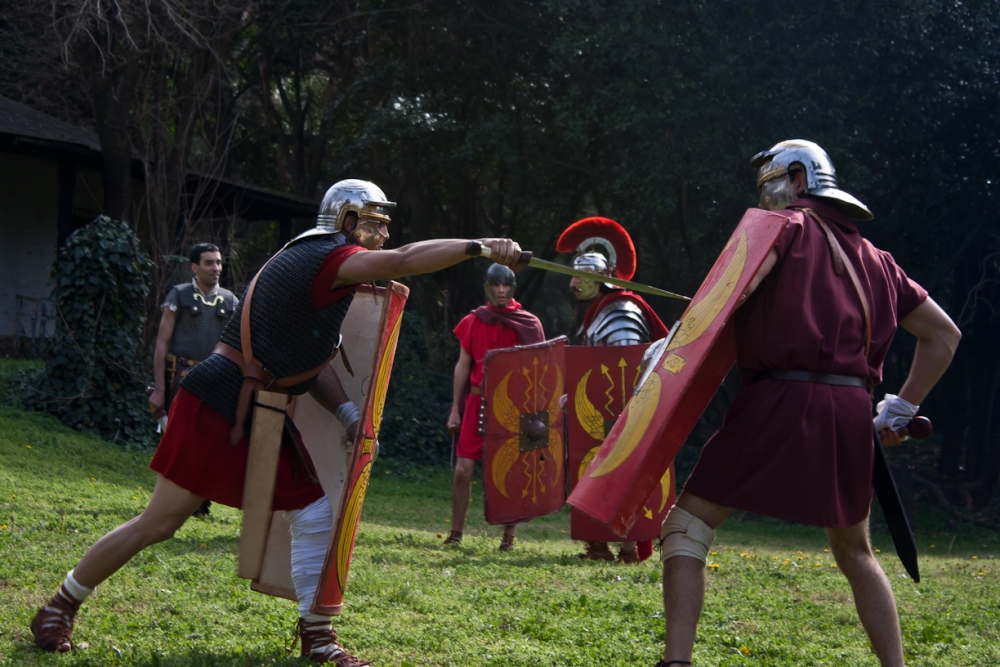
(801, 451)
(195, 453)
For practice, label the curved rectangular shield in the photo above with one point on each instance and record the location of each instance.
(523, 451)
(599, 382)
(369, 331)
(677, 388)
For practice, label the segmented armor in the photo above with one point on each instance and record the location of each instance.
(290, 335)
(621, 322)
(201, 319)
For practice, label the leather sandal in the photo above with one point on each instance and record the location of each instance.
(507, 543)
(52, 625)
(628, 557)
(319, 644)
(597, 551)
(454, 537)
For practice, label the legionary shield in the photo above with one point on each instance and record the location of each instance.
(677, 388)
(599, 382)
(523, 453)
(370, 331)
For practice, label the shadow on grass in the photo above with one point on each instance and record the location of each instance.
(25, 653)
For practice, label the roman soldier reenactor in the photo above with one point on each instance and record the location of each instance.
(614, 316)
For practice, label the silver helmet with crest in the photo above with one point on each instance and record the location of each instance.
(773, 167)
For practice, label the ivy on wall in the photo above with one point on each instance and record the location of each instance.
(93, 379)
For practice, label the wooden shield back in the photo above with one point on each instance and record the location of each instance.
(523, 452)
(599, 382)
(670, 400)
(324, 436)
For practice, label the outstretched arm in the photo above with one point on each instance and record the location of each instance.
(159, 396)
(462, 371)
(417, 258)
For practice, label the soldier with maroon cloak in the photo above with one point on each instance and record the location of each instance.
(500, 323)
(614, 317)
(300, 299)
(797, 442)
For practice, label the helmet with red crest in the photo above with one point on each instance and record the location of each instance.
(600, 246)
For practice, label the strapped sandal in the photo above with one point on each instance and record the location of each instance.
(628, 557)
(319, 644)
(454, 537)
(52, 625)
(507, 543)
(597, 551)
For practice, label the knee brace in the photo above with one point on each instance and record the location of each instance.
(684, 534)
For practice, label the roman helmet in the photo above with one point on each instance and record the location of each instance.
(601, 246)
(776, 191)
(353, 195)
(498, 274)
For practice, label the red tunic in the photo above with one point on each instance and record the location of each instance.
(195, 453)
(801, 451)
(477, 338)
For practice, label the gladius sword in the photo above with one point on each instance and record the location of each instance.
(477, 249)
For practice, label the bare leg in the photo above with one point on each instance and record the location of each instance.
(873, 596)
(508, 531)
(628, 547)
(168, 509)
(461, 492)
(684, 584)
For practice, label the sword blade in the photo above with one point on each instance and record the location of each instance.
(545, 265)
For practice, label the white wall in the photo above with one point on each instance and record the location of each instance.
(29, 200)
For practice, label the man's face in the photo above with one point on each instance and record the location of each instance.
(584, 289)
(501, 293)
(208, 270)
(367, 233)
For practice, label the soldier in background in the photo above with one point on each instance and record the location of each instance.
(614, 317)
(194, 315)
(498, 324)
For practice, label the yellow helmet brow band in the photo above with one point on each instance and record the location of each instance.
(771, 174)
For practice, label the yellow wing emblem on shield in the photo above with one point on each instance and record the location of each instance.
(504, 409)
(640, 411)
(586, 413)
(505, 457)
(665, 490)
(555, 438)
(587, 458)
(700, 315)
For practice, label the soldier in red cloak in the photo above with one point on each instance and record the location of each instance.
(500, 323)
(797, 443)
(300, 299)
(614, 317)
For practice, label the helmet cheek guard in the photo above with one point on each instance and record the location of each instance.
(601, 246)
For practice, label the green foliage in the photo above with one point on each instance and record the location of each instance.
(411, 601)
(93, 380)
(417, 402)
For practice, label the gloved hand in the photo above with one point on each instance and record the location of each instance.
(894, 413)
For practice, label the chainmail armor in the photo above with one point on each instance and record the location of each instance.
(289, 335)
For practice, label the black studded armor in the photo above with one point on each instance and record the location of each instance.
(289, 335)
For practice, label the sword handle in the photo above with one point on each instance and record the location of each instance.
(477, 249)
(919, 428)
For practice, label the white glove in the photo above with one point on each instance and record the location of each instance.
(894, 413)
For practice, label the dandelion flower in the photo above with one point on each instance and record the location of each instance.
(28, 446)
(3, 527)
(833, 566)
(714, 566)
(744, 650)
(878, 551)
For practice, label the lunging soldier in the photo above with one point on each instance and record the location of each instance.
(500, 323)
(797, 443)
(299, 300)
(194, 315)
(614, 317)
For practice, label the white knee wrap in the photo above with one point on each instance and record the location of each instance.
(684, 534)
(310, 528)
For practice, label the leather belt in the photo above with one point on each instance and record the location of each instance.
(818, 378)
(478, 391)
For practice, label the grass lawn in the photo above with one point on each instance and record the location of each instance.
(774, 596)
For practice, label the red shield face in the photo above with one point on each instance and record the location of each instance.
(522, 441)
(670, 400)
(599, 382)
